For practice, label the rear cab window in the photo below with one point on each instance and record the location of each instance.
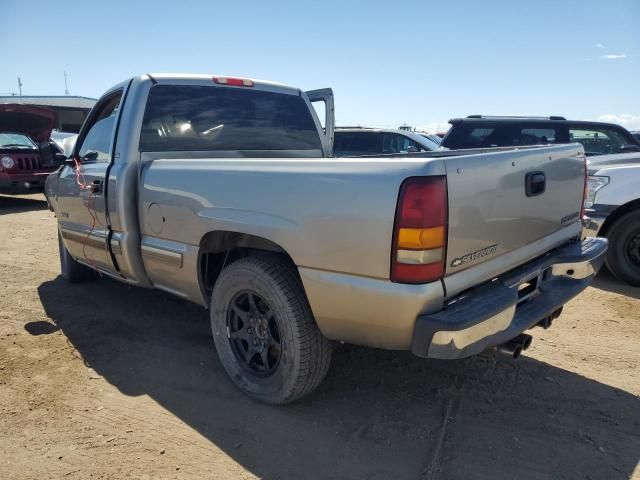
(214, 118)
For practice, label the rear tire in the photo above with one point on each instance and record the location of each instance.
(264, 330)
(623, 256)
(71, 270)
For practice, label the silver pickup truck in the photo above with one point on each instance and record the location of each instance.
(612, 210)
(224, 191)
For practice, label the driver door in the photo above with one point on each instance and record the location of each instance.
(81, 198)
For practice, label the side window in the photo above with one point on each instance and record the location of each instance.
(96, 145)
(395, 143)
(600, 141)
(535, 136)
(407, 145)
(357, 143)
(469, 136)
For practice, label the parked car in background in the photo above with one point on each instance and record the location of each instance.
(357, 141)
(224, 191)
(433, 137)
(613, 200)
(612, 210)
(27, 155)
(597, 138)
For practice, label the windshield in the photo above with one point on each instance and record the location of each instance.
(15, 140)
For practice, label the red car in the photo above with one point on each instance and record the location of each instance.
(27, 156)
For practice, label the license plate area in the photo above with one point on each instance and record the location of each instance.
(526, 289)
(530, 287)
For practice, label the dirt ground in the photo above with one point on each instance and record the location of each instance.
(105, 381)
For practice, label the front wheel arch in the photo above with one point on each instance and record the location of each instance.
(619, 212)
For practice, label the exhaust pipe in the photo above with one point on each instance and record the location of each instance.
(523, 339)
(510, 348)
(547, 321)
(516, 345)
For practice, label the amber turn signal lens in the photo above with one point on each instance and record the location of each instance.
(421, 238)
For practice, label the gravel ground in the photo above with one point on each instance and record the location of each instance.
(101, 380)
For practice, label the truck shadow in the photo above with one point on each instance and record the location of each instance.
(17, 204)
(607, 282)
(378, 415)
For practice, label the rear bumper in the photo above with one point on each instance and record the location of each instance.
(591, 225)
(497, 312)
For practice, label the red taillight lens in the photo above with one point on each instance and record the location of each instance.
(419, 239)
(234, 82)
(423, 202)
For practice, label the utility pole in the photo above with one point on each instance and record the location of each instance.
(66, 88)
(20, 88)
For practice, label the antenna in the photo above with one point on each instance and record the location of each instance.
(66, 88)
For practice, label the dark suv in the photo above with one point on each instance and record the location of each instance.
(478, 131)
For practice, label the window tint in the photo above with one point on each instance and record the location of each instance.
(96, 145)
(535, 136)
(469, 136)
(504, 134)
(356, 143)
(602, 140)
(192, 118)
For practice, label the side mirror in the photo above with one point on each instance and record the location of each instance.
(90, 156)
(412, 149)
(60, 157)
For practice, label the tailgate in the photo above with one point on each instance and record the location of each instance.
(507, 203)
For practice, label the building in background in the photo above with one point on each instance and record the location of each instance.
(71, 110)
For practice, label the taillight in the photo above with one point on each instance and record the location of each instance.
(234, 82)
(585, 189)
(420, 232)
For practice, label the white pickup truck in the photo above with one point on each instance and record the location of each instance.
(224, 191)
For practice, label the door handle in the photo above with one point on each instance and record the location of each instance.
(96, 186)
(535, 183)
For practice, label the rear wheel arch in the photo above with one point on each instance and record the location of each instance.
(220, 248)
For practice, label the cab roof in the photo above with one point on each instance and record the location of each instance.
(208, 78)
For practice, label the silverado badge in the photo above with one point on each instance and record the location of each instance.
(470, 257)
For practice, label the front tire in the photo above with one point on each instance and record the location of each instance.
(71, 270)
(264, 330)
(623, 257)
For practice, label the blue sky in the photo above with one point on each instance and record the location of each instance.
(418, 62)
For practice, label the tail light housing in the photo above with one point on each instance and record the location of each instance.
(420, 231)
(585, 190)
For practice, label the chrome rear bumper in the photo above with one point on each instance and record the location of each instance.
(500, 310)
